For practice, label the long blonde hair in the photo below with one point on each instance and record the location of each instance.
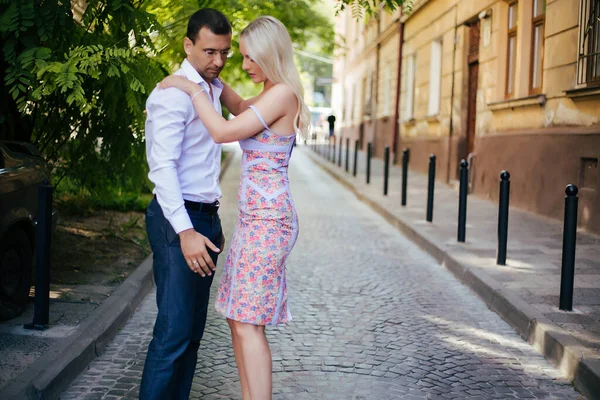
(269, 45)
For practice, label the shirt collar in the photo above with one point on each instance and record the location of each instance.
(193, 75)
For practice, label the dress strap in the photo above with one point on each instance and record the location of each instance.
(262, 121)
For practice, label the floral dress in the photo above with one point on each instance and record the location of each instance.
(253, 287)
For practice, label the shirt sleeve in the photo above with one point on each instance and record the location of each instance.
(167, 110)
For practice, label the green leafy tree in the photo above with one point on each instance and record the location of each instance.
(372, 7)
(306, 20)
(76, 85)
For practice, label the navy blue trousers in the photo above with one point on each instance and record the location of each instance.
(182, 300)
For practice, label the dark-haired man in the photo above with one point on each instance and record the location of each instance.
(183, 226)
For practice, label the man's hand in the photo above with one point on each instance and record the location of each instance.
(193, 247)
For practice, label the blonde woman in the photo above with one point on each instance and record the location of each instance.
(253, 290)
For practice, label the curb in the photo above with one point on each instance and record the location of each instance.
(575, 361)
(49, 375)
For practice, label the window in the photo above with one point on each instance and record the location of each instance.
(410, 86)
(537, 46)
(435, 78)
(511, 59)
(588, 61)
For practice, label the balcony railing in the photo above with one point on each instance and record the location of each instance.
(588, 62)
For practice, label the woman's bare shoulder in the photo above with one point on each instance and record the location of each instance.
(284, 91)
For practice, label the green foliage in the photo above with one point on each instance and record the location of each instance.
(74, 200)
(372, 7)
(305, 20)
(76, 85)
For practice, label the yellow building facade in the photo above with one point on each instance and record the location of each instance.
(505, 84)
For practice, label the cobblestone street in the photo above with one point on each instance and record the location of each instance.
(374, 318)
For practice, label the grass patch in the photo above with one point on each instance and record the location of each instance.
(85, 204)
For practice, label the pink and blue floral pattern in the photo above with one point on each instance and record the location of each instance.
(253, 287)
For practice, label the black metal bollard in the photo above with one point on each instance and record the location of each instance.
(386, 170)
(41, 310)
(347, 152)
(462, 200)
(333, 148)
(332, 151)
(405, 159)
(567, 276)
(355, 157)
(430, 188)
(369, 151)
(503, 217)
(340, 153)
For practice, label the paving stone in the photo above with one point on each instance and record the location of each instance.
(374, 318)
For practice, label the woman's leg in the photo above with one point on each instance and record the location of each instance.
(239, 360)
(256, 357)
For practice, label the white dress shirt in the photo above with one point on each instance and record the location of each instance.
(184, 160)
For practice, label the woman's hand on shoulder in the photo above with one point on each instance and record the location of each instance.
(180, 82)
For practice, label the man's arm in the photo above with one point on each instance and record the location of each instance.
(167, 112)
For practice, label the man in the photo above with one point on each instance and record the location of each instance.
(331, 121)
(182, 220)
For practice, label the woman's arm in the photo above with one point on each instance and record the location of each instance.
(233, 101)
(272, 105)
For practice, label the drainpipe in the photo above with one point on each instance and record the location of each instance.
(396, 137)
(451, 129)
(376, 83)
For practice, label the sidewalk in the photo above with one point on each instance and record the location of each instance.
(525, 292)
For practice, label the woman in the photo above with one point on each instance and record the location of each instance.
(253, 292)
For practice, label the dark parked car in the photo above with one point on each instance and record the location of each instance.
(22, 171)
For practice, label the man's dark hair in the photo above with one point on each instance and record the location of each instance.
(212, 19)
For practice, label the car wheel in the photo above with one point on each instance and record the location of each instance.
(16, 264)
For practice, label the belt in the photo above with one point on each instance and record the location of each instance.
(209, 208)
